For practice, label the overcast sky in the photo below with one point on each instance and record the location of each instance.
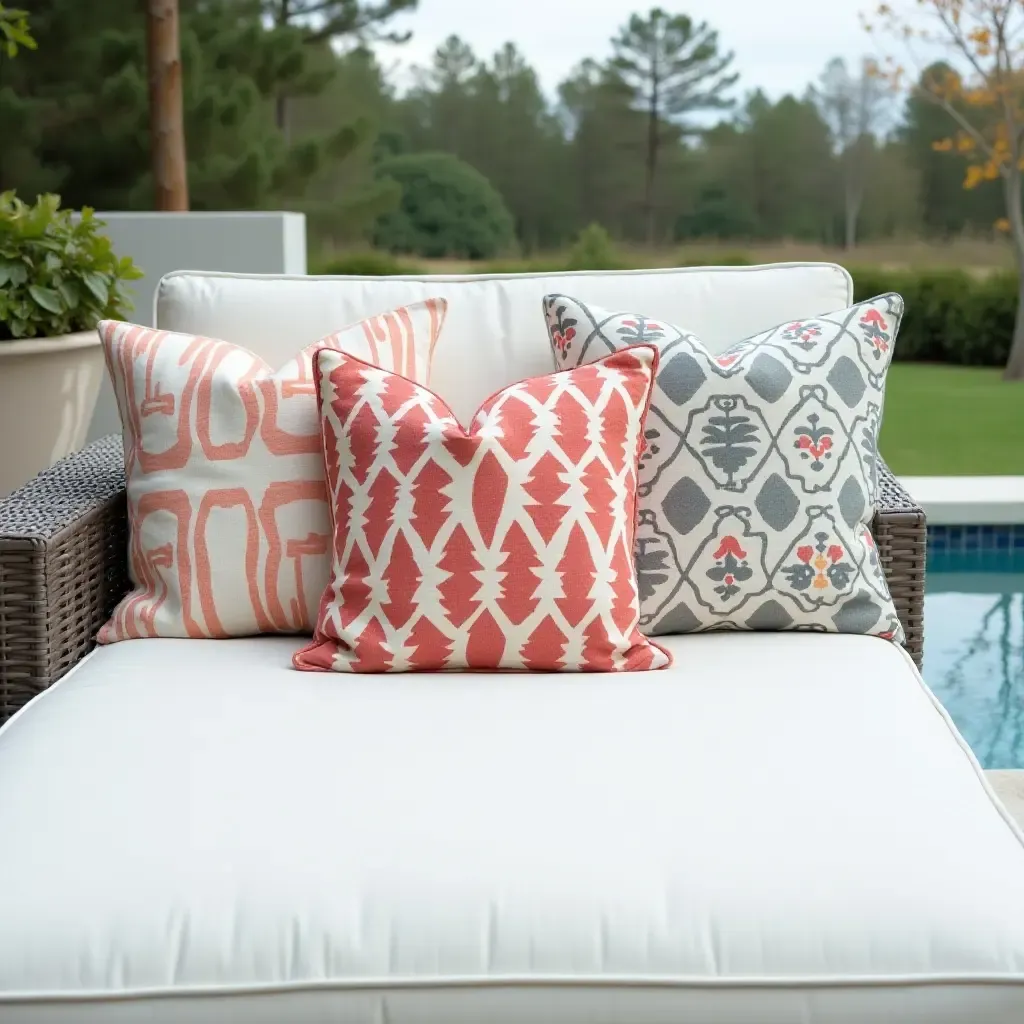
(780, 45)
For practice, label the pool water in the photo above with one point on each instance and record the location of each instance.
(974, 641)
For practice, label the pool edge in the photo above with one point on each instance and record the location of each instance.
(962, 500)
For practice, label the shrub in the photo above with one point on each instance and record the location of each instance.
(537, 265)
(448, 208)
(726, 259)
(365, 264)
(594, 250)
(58, 275)
(951, 316)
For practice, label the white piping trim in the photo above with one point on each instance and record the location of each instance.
(517, 981)
(45, 693)
(529, 276)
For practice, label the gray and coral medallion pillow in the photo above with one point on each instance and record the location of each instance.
(758, 483)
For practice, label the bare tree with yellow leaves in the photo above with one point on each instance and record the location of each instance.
(984, 100)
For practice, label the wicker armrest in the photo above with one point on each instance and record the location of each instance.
(902, 538)
(63, 567)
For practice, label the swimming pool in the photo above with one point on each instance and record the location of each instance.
(974, 636)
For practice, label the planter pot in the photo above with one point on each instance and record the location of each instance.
(48, 389)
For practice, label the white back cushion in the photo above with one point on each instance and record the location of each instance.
(495, 332)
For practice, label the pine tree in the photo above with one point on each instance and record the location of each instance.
(671, 67)
(324, 22)
(84, 97)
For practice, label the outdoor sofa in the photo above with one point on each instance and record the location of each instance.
(780, 827)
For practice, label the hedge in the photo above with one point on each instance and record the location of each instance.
(365, 264)
(951, 316)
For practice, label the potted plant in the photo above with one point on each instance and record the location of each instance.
(58, 278)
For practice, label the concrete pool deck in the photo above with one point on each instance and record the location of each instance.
(956, 500)
(1009, 787)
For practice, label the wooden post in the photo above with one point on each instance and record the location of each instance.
(166, 110)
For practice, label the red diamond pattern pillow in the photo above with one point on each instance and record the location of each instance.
(507, 546)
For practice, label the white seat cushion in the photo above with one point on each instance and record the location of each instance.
(494, 334)
(783, 827)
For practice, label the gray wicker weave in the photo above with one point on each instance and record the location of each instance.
(63, 566)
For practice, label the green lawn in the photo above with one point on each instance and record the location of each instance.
(952, 421)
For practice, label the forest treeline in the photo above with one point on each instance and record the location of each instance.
(661, 139)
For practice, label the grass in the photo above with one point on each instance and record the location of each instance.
(952, 421)
(977, 255)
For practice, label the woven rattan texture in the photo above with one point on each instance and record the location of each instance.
(63, 566)
(902, 539)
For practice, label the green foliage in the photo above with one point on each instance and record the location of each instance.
(601, 180)
(727, 259)
(494, 115)
(14, 31)
(679, 57)
(58, 274)
(670, 67)
(329, 19)
(594, 250)
(545, 264)
(951, 316)
(367, 263)
(946, 206)
(344, 198)
(448, 208)
(74, 117)
(279, 117)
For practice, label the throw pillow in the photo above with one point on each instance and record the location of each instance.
(758, 483)
(507, 546)
(227, 504)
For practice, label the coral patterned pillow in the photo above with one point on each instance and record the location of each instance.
(758, 484)
(227, 504)
(505, 546)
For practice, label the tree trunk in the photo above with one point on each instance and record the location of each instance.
(850, 238)
(166, 111)
(853, 191)
(281, 115)
(651, 162)
(1015, 364)
(282, 19)
(1015, 215)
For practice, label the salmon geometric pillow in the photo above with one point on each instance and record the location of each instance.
(505, 546)
(227, 503)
